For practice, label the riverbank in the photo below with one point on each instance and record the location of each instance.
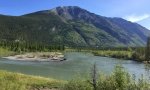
(122, 54)
(38, 56)
(114, 54)
(17, 81)
(127, 54)
(134, 54)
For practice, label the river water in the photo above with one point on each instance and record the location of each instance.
(77, 64)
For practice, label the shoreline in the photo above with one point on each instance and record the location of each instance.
(38, 56)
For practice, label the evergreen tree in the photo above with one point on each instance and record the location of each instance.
(147, 54)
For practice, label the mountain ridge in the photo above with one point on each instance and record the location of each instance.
(74, 26)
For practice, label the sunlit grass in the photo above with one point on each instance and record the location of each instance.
(115, 54)
(16, 81)
(118, 80)
(5, 52)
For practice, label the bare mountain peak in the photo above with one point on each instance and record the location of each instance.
(68, 7)
(69, 12)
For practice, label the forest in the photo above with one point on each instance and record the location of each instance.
(141, 54)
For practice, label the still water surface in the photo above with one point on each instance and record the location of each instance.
(77, 63)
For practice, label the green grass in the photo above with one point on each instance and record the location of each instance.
(114, 53)
(5, 52)
(16, 81)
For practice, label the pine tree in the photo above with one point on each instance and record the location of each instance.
(147, 54)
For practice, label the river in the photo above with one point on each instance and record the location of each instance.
(77, 64)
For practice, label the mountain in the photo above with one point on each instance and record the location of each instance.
(72, 26)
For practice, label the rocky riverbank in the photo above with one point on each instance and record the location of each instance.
(38, 56)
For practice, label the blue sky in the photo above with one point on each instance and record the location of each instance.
(132, 10)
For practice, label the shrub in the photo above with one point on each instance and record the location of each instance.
(118, 80)
(77, 84)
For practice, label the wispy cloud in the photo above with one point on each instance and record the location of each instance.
(136, 18)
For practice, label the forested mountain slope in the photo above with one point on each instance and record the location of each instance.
(72, 26)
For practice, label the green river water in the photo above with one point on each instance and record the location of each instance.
(77, 63)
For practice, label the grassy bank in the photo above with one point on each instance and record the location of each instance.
(118, 80)
(120, 54)
(136, 54)
(114, 54)
(16, 81)
(6, 52)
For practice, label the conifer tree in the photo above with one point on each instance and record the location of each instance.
(147, 54)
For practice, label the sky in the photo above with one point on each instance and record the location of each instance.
(137, 11)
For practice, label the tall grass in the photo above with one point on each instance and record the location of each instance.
(5, 52)
(16, 81)
(118, 80)
(115, 54)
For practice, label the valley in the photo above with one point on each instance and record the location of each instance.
(71, 48)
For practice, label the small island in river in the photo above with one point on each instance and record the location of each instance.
(38, 56)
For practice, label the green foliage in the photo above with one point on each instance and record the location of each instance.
(121, 78)
(118, 80)
(137, 53)
(147, 55)
(5, 52)
(77, 84)
(29, 47)
(114, 53)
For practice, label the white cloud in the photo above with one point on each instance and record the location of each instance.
(136, 18)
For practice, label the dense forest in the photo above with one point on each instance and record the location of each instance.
(30, 47)
(133, 53)
(140, 54)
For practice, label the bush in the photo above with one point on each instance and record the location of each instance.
(118, 80)
(78, 84)
(114, 54)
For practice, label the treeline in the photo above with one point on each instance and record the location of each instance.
(141, 54)
(17, 46)
(138, 54)
(94, 48)
(147, 51)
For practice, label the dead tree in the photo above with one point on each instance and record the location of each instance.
(94, 78)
